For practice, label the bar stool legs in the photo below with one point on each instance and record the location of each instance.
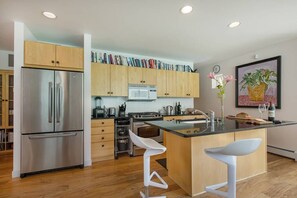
(228, 155)
(152, 148)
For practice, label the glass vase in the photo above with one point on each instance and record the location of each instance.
(222, 118)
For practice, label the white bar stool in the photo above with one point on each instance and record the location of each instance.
(152, 148)
(228, 155)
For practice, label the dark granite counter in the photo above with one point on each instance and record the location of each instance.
(199, 129)
(165, 115)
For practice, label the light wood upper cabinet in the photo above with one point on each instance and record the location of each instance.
(45, 55)
(71, 57)
(109, 80)
(161, 83)
(40, 54)
(100, 79)
(166, 83)
(181, 84)
(134, 75)
(142, 76)
(118, 80)
(149, 76)
(171, 83)
(192, 85)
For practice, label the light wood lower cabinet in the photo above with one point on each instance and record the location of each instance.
(109, 80)
(102, 139)
(50, 56)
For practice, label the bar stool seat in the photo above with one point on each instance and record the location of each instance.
(228, 155)
(152, 148)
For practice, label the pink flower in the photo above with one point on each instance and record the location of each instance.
(211, 75)
(229, 78)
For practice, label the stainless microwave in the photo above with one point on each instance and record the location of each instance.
(142, 92)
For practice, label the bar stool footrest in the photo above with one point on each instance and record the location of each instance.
(163, 184)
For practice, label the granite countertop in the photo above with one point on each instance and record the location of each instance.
(200, 129)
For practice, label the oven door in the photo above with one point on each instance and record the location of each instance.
(146, 131)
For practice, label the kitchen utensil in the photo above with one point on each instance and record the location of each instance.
(123, 144)
(122, 110)
(168, 109)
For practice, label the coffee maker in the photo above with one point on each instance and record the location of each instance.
(122, 110)
(98, 111)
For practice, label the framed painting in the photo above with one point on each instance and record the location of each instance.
(259, 83)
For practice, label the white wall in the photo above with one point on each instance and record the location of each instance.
(142, 106)
(276, 136)
(4, 59)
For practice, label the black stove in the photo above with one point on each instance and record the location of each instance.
(145, 116)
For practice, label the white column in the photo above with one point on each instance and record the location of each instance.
(18, 63)
(87, 99)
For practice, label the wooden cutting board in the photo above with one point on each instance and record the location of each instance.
(250, 120)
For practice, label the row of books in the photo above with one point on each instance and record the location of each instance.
(136, 62)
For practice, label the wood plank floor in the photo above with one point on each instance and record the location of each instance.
(123, 178)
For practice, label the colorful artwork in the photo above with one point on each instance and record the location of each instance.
(259, 83)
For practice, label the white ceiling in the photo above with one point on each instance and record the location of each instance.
(156, 27)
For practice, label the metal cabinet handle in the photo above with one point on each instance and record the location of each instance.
(102, 138)
(53, 61)
(50, 102)
(102, 122)
(102, 145)
(102, 130)
(57, 62)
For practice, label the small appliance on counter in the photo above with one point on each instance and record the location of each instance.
(122, 110)
(111, 111)
(168, 110)
(98, 111)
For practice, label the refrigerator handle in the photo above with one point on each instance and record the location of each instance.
(50, 99)
(52, 135)
(59, 103)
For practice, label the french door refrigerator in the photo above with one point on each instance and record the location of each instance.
(52, 120)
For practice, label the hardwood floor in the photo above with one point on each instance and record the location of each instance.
(123, 178)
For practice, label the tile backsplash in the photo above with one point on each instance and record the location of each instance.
(141, 106)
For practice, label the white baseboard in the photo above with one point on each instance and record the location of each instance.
(15, 174)
(282, 152)
(88, 163)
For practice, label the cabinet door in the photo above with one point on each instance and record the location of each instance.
(134, 75)
(9, 97)
(39, 54)
(161, 83)
(149, 76)
(2, 100)
(69, 57)
(100, 78)
(193, 85)
(181, 84)
(171, 83)
(118, 80)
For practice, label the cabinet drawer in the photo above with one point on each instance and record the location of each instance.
(103, 122)
(102, 151)
(102, 130)
(102, 138)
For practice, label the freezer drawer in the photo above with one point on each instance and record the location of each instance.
(51, 151)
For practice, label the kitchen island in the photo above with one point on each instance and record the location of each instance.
(188, 165)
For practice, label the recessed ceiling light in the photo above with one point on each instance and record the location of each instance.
(234, 24)
(49, 15)
(186, 9)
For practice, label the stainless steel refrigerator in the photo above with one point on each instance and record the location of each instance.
(52, 120)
